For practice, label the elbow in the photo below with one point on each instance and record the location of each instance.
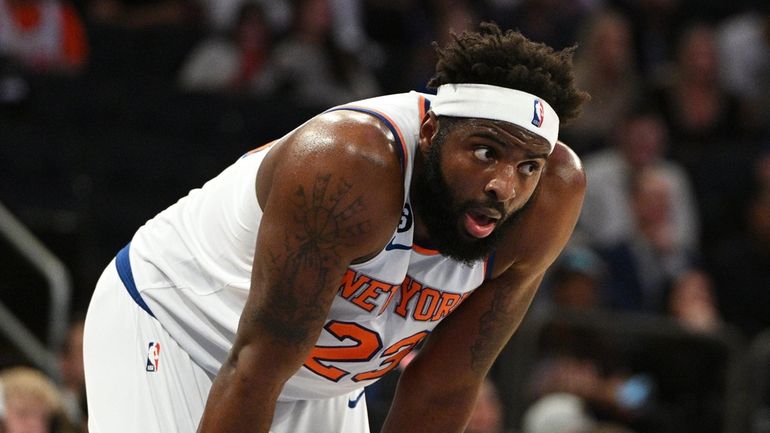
(251, 366)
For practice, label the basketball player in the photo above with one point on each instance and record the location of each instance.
(267, 300)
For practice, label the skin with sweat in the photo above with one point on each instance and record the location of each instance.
(497, 188)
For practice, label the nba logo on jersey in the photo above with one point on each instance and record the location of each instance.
(153, 356)
(537, 117)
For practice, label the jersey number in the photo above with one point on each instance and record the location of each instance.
(367, 344)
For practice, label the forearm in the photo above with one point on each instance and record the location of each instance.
(234, 406)
(267, 352)
(438, 389)
(243, 395)
(422, 408)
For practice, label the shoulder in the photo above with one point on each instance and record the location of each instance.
(537, 238)
(565, 168)
(355, 146)
(338, 155)
(349, 138)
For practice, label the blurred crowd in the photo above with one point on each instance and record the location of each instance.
(675, 143)
(32, 401)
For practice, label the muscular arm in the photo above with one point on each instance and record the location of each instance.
(318, 217)
(437, 391)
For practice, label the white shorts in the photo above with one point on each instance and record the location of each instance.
(138, 380)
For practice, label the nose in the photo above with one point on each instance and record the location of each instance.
(502, 186)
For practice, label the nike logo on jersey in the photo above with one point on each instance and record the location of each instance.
(354, 402)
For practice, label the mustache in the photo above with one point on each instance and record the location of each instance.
(486, 204)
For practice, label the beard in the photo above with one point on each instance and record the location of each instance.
(442, 215)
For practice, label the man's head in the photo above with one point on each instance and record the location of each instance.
(510, 60)
(641, 136)
(31, 400)
(484, 145)
(71, 357)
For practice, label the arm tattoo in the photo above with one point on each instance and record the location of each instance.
(327, 219)
(493, 326)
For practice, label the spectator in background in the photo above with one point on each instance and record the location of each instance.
(73, 384)
(142, 14)
(605, 67)
(403, 31)
(639, 140)
(349, 32)
(700, 114)
(643, 264)
(708, 138)
(744, 47)
(554, 22)
(139, 45)
(655, 24)
(312, 69)
(487, 415)
(557, 413)
(220, 16)
(237, 63)
(576, 279)
(692, 302)
(32, 403)
(741, 268)
(581, 379)
(445, 17)
(44, 36)
(397, 26)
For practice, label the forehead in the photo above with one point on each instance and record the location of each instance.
(505, 132)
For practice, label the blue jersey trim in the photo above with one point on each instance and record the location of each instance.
(123, 264)
(490, 264)
(426, 105)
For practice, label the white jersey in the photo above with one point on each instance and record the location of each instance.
(191, 268)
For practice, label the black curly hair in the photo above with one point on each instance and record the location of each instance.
(509, 59)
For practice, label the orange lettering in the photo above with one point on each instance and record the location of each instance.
(395, 353)
(373, 291)
(391, 292)
(409, 288)
(449, 301)
(351, 284)
(367, 343)
(424, 310)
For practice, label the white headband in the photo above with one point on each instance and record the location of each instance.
(498, 103)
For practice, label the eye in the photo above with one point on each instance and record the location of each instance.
(529, 168)
(484, 153)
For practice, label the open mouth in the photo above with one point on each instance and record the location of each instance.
(480, 223)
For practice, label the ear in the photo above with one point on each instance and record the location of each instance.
(428, 131)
